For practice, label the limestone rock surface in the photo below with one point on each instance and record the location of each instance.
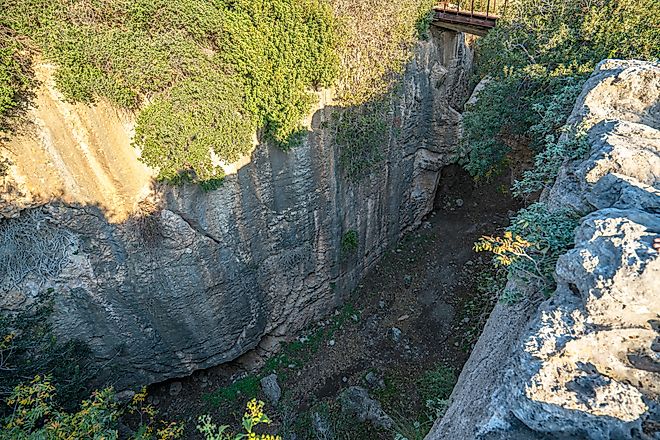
(192, 279)
(584, 364)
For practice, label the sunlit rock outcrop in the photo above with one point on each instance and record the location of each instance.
(584, 364)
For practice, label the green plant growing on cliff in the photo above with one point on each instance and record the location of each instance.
(361, 134)
(375, 46)
(253, 416)
(180, 137)
(15, 77)
(35, 415)
(571, 145)
(531, 246)
(28, 348)
(228, 67)
(349, 242)
(537, 59)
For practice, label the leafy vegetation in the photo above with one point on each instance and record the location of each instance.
(361, 135)
(244, 388)
(536, 61)
(376, 45)
(28, 348)
(206, 72)
(531, 247)
(437, 383)
(15, 77)
(254, 416)
(349, 242)
(35, 415)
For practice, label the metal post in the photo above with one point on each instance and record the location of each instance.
(458, 6)
(472, 9)
(487, 8)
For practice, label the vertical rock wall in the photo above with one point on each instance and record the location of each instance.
(584, 364)
(198, 279)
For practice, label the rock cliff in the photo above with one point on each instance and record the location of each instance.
(584, 364)
(192, 279)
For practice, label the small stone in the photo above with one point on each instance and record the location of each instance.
(355, 318)
(331, 342)
(396, 334)
(124, 396)
(356, 401)
(374, 381)
(271, 388)
(407, 280)
(175, 388)
(459, 202)
(403, 317)
(321, 426)
(291, 365)
(455, 344)
(344, 379)
(466, 320)
(381, 304)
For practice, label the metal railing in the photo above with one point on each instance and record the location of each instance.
(475, 8)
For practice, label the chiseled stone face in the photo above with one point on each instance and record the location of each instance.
(203, 277)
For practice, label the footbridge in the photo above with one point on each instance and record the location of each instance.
(470, 16)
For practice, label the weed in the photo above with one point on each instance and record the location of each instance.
(349, 242)
(230, 395)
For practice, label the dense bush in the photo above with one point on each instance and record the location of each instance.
(376, 45)
(537, 59)
(281, 49)
(530, 248)
(15, 80)
(209, 72)
(35, 415)
(29, 348)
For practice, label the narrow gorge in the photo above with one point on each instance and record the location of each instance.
(344, 276)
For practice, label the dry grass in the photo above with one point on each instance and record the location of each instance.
(378, 38)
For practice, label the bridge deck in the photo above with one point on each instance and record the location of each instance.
(454, 17)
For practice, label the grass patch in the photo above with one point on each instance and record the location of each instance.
(230, 396)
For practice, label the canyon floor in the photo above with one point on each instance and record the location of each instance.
(420, 310)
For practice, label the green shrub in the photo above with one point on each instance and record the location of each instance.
(532, 245)
(361, 134)
(35, 415)
(375, 46)
(349, 242)
(538, 58)
(15, 78)
(549, 160)
(214, 71)
(253, 416)
(281, 49)
(178, 136)
(437, 383)
(29, 348)
(244, 388)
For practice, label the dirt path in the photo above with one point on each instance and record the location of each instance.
(422, 307)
